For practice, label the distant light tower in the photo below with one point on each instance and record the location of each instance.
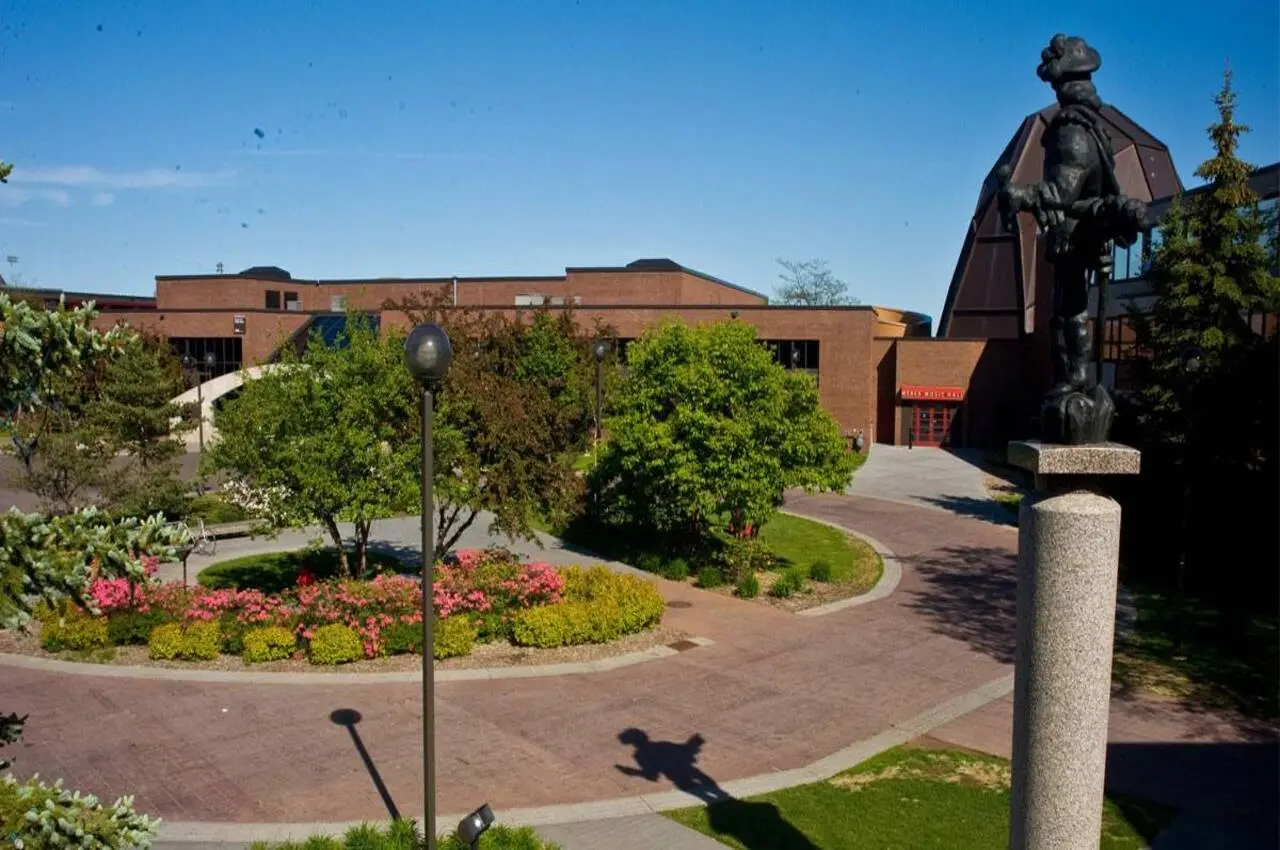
(218, 268)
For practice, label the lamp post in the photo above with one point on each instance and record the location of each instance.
(189, 363)
(1190, 357)
(600, 350)
(427, 353)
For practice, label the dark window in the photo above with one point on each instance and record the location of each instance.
(795, 353)
(273, 299)
(1119, 340)
(228, 353)
(291, 301)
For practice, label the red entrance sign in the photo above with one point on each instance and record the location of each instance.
(914, 393)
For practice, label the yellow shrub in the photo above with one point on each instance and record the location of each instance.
(185, 642)
(600, 606)
(67, 627)
(335, 644)
(271, 643)
(452, 637)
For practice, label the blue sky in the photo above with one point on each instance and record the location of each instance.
(342, 139)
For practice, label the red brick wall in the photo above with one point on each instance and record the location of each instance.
(991, 371)
(264, 332)
(592, 287)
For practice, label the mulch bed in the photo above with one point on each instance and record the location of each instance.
(496, 654)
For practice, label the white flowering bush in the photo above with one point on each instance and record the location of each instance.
(38, 816)
(274, 505)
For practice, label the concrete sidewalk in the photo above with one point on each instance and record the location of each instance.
(637, 832)
(928, 478)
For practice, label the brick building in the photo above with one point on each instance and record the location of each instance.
(246, 318)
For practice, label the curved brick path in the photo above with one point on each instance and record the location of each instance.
(775, 692)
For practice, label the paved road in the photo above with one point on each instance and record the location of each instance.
(929, 478)
(774, 692)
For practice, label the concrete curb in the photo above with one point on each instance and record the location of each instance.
(890, 574)
(190, 832)
(77, 668)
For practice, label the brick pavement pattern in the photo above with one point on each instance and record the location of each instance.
(774, 692)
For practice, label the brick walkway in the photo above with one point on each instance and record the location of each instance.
(774, 692)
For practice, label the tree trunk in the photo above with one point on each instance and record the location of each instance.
(446, 533)
(362, 546)
(344, 566)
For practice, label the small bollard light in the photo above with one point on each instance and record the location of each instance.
(474, 825)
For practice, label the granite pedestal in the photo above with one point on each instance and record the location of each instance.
(1068, 560)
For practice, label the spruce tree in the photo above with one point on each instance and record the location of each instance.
(1212, 273)
(134, 409)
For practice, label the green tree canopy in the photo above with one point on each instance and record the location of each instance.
(336, 428)
(512, 413)
(706, 424)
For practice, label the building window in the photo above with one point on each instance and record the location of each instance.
(338, 304)
(795, 353)
(291, 301)
(273, 299)
(1119, 341)
(530, 300)
(1129, 263)
(228, 352)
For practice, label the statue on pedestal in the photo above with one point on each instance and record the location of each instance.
(1083, 214)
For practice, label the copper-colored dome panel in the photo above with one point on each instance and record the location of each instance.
(996, 272)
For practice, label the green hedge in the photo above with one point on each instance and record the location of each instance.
(278, 571)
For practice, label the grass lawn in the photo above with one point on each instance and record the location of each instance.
(905, 799)
(272, 573)
(792, 540)
(795, 540)
(1219, 659)
(1010, 500)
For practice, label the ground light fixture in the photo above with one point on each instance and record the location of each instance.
(427, 353)
(474, 825)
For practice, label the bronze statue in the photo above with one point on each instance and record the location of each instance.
(1082, 213)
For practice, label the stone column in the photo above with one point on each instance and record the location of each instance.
(1068, 561)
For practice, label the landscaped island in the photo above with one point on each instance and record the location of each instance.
(484, 596)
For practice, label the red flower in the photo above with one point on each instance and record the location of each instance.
(306, 577)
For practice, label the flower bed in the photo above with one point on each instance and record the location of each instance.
(480, 596)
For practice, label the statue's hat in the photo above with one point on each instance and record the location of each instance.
(1067, 57)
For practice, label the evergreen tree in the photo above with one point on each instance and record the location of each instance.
(135, 413)
(1212, 273)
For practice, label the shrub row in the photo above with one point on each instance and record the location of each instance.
(599, 606)
(36, 815)
(72, 629)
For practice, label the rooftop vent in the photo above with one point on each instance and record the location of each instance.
(659, 264)
(267, 273)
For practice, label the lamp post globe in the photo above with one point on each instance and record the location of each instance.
(427, 353)
(600, 349)
(210, 360)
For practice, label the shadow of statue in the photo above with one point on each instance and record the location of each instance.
(757, 826)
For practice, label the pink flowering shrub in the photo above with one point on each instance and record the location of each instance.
(489, 587)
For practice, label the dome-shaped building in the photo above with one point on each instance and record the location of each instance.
(1001, 277)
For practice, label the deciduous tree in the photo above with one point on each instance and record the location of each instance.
(511, 414)
(335, 428)
(708, 424)
(811, 283)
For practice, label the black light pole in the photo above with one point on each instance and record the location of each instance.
(1191, 367)
(600, 350)
(427, 353)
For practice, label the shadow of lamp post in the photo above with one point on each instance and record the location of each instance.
(427, 352)
(1190, 357)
